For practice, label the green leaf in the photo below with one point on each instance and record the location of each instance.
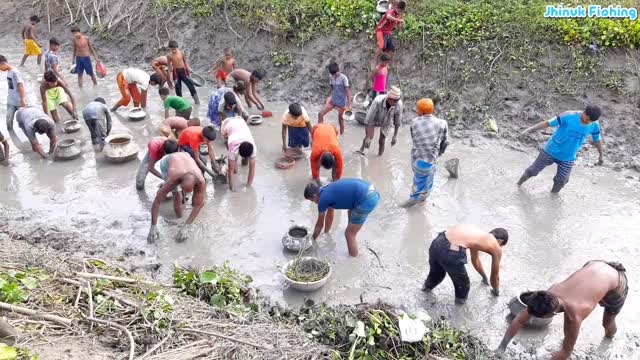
(218, 300)
(209, 277)
(7, 352)
(29, 282)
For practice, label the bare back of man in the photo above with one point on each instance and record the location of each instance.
(472, 238)
(176, 59)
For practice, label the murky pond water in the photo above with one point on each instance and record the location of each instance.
(595, 217)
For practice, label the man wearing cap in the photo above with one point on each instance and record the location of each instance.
(357, 196)
(384, 110)
(430, 140)
(573, 128)
(325, 151)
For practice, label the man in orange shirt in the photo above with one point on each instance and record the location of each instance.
(190, 140)
(326, 150)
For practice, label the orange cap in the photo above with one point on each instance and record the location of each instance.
(424, 106)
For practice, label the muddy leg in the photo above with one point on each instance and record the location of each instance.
(24, 58)
(327, 107)
(177, 203)
(609, 324)
(368, 135)
(381, 142)
(67, 106)
(341, 120)
(40, 59)
(350, 235)
(54, 116)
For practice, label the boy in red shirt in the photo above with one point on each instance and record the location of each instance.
(385, 28)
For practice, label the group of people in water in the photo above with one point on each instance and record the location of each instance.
(180, 153)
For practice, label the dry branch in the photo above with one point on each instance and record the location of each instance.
(132, 344)
(196, 331)
(35, 314)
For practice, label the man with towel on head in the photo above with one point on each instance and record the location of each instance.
(384, 110)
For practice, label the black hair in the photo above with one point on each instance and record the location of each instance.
(327, 160)
(35, 18)
(41, 126)
(246, 149)
(239, 87)
(259, 74)
(3, 59)
(209, 133)
(163, 91)
(54, 41)
(500, 234)
(170, 146)
(385, 57)
(402, 5)
(75, 29)
(100, 100)
(230, 98)
(593, 112)
(50, 76)
(173, 44)
(333, 68)
(295, 109)
(541, 303)
(310, 190)
(156, 78)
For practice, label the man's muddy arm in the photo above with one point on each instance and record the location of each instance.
(167, 112)
(252, 171)
(37, 148)
(92, 50)
(71, 97)
(539, 126)
(475, 261)
(22, 93)
(598, 145)
(107, 116)
(201, 165)
(571, 331)
(513, 329)
(73, 53)
(495, 272)
(43, 97)
(151, 166)
(256, 97)
(319, 225)
(284, 137)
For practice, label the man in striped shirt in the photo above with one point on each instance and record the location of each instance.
(430, 140)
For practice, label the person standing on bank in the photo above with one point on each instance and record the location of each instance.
(430, 140)
(597, 282)
(384, 110)
(448, 255)
(356, 196)
(573, 128)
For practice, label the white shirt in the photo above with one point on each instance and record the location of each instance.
(137, 76)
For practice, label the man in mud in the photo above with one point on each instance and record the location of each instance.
(250, 81)
(52, 93)
(325, 151)
(160, 67)
(597, 282)
(356, 196)
(181, 175)
(16, 94)
(52, 59)
(448, 255)
(573, 129)
(384, 110)
(32, 120)
(81, 57)
(240, 144)
(157, 148)
(179, 71)
(190, 140)
(134, 84)
(96, 116)
(31, 46)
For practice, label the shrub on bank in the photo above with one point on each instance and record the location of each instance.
(444, 23)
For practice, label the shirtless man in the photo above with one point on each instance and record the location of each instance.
(31, 46)
(598, 282)
(179, 70)
(52, 92)
(448, 254)
(82, 52)
(250, 81)
(160, 66)
(224, 66)
(181, 175)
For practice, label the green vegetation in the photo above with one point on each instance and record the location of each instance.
(15, 285)
(14, 353)
(219, 286)
(439, 23)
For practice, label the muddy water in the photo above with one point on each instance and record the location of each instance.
(595, 217)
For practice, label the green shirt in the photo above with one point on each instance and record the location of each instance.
(177, 103)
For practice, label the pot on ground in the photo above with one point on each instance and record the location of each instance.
(297, 238)
(71, 126)
(306, 286)
(361, 116)
(516, 305)
(67, 149)
(120, 148)
(137, 114)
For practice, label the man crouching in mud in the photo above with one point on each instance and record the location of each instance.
(181, 175)
(448, 255)
(598, 282)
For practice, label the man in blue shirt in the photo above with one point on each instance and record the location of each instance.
(573, 128)
(355, 195)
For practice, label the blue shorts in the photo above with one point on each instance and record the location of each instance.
(361, 212)
(83, 65)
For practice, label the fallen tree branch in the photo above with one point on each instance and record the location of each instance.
(196, 331)
(132, 344)
(114, 278)
(35, 314)
(154, 348)
(108, 293)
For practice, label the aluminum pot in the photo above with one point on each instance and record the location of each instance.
(67, 149)
(306, 286)
(120, 148)
(297, 238)
(137, 114)
(71, 126)
(516, 305)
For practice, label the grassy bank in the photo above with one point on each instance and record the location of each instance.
(439, 23)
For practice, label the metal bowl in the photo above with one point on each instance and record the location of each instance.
(67, 149)
(349, 115)
(383, 6)
(359, 98)
(516, 305)
(137, 114)
(361, 116)
(198, 80)
(284, 163)
(297, 238)
(306, 286)
(71, 126)
(293, 153)
(255, 119)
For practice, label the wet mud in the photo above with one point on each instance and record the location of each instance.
(594, 217)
